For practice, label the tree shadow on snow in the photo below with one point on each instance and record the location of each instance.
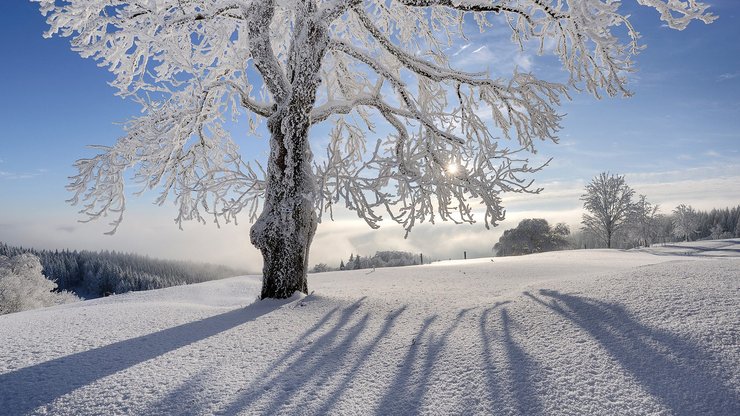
(318, 372)
(186, 398)
(405, 393)
(517, 379)
(23, 390)
(702, 249)
(313, 369)
(667, 366)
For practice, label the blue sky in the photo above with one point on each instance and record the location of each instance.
(677, 141)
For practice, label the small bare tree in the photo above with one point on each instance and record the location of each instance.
(354, 63)
(609, 200)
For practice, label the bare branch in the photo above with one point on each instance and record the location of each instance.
(259, 16)
(398, 86)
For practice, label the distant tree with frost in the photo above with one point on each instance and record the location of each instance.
(608, 199)
(194, 64)
(643, 222)
(716, 232)
(321, 268)
(351, 263)
(393, 258)
(685, 221)
(665, 227)
(24, 287)
(533, 235)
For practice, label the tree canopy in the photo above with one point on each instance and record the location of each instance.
(189, 63)
(195, 64)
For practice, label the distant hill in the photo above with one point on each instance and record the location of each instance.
(94, 274)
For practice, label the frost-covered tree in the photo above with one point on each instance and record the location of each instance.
(321, 268)
(643, 221)
(358, 64)
(716, 232)
(608, 198)
(664, 225)
(685, 221)
(532, 236)
(24, 287)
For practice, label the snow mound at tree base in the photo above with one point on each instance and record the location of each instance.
(594, 332)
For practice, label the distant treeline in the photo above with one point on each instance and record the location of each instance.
(614, 219)
(95, 274)
(718, 223)
(685, 224)
(536, 235)
(380, 259)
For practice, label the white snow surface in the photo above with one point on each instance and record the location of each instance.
(708, 248)
(588, 332)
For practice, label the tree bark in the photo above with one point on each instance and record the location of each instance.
(285, 229)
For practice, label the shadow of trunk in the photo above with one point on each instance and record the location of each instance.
(23, 390)
(311, 367)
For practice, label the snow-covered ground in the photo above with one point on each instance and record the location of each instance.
(596, 332)
(710, 248)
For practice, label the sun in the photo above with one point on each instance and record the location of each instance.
(453, 168)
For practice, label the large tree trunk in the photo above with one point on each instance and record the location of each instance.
(285, 229)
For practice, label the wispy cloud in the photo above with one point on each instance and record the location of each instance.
(21, 175)
(728, 76)
(462, 48)
(523, 62)
(500, 56)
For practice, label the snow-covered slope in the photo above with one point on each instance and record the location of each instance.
(592, 332)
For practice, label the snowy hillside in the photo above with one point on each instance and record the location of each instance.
(592, 332)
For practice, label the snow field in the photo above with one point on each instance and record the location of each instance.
(594, 332)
